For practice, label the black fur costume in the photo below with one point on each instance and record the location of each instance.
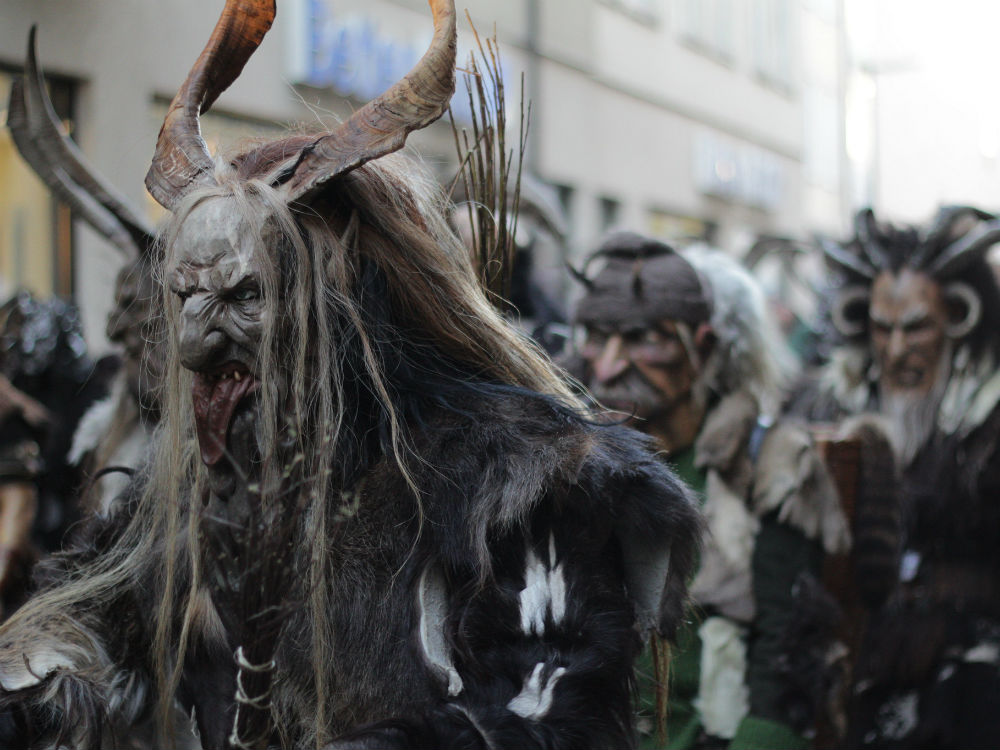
(928, 674)
(528, 661)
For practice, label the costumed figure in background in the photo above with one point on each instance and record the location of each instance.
(681, 344)
(787, 272)
(44, 362)
(376, 518)
(24, 423)
(919, 313)
(114, 436)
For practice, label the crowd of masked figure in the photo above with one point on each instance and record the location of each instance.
(848, 591)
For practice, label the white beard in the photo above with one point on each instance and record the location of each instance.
(913, 419)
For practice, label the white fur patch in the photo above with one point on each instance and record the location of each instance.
(33, 668)
(535, 698)
(432, 606)
(986, 653)
(92, 428)
(544, 591)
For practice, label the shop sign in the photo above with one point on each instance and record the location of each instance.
(737, 171)
(350, 52)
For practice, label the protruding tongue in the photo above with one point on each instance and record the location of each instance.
(214, 402)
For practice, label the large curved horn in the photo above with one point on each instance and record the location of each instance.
(837, 255)
(866, 228)
(381, 126)
(764, 246)
(968, 249)
(950, 223)
(34, 127)
(182, 159)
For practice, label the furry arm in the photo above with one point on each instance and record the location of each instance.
(540, 653)
(75, 656)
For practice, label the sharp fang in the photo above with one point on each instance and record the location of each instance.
(237, 376)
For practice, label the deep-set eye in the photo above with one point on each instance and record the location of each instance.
(245, 294)
(655, 336)
(916, 326)
(596, 338)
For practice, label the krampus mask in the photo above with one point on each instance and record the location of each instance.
(917, 312)
(376, 512)
(228, 269)
(916, 294)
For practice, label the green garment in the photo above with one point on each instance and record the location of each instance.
(755, 733)
(683, 722)
(780, 553)
(683, 465)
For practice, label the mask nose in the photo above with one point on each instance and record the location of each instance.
(202, 342)
(612, 361)
(897, 344)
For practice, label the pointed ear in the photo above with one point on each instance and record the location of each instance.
(705, 340)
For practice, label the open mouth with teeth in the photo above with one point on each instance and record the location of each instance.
(215, 397)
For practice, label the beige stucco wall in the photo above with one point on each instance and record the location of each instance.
(619, 105)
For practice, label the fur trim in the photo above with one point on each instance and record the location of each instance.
(93, 427)
(788, 476)
(973, 393)
(791, 478)
(812, 666)
(845, 377)
(724, 579)
(723, 440)
(515, 478)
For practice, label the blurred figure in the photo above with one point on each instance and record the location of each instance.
(49, 382)
(918, 312)
(681, 346)
(113, 437)
(538, 238)
(23, 416)
(784, 269)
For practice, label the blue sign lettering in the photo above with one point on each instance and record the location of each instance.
(348, 54)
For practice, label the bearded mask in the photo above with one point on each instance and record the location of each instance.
(912, 295)
(643, 313)
(914, 321)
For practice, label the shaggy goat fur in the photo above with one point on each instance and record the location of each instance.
(402, 425)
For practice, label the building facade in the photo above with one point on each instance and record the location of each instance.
(720, 119)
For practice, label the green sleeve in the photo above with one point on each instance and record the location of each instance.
(755, 733)
(781, 554)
